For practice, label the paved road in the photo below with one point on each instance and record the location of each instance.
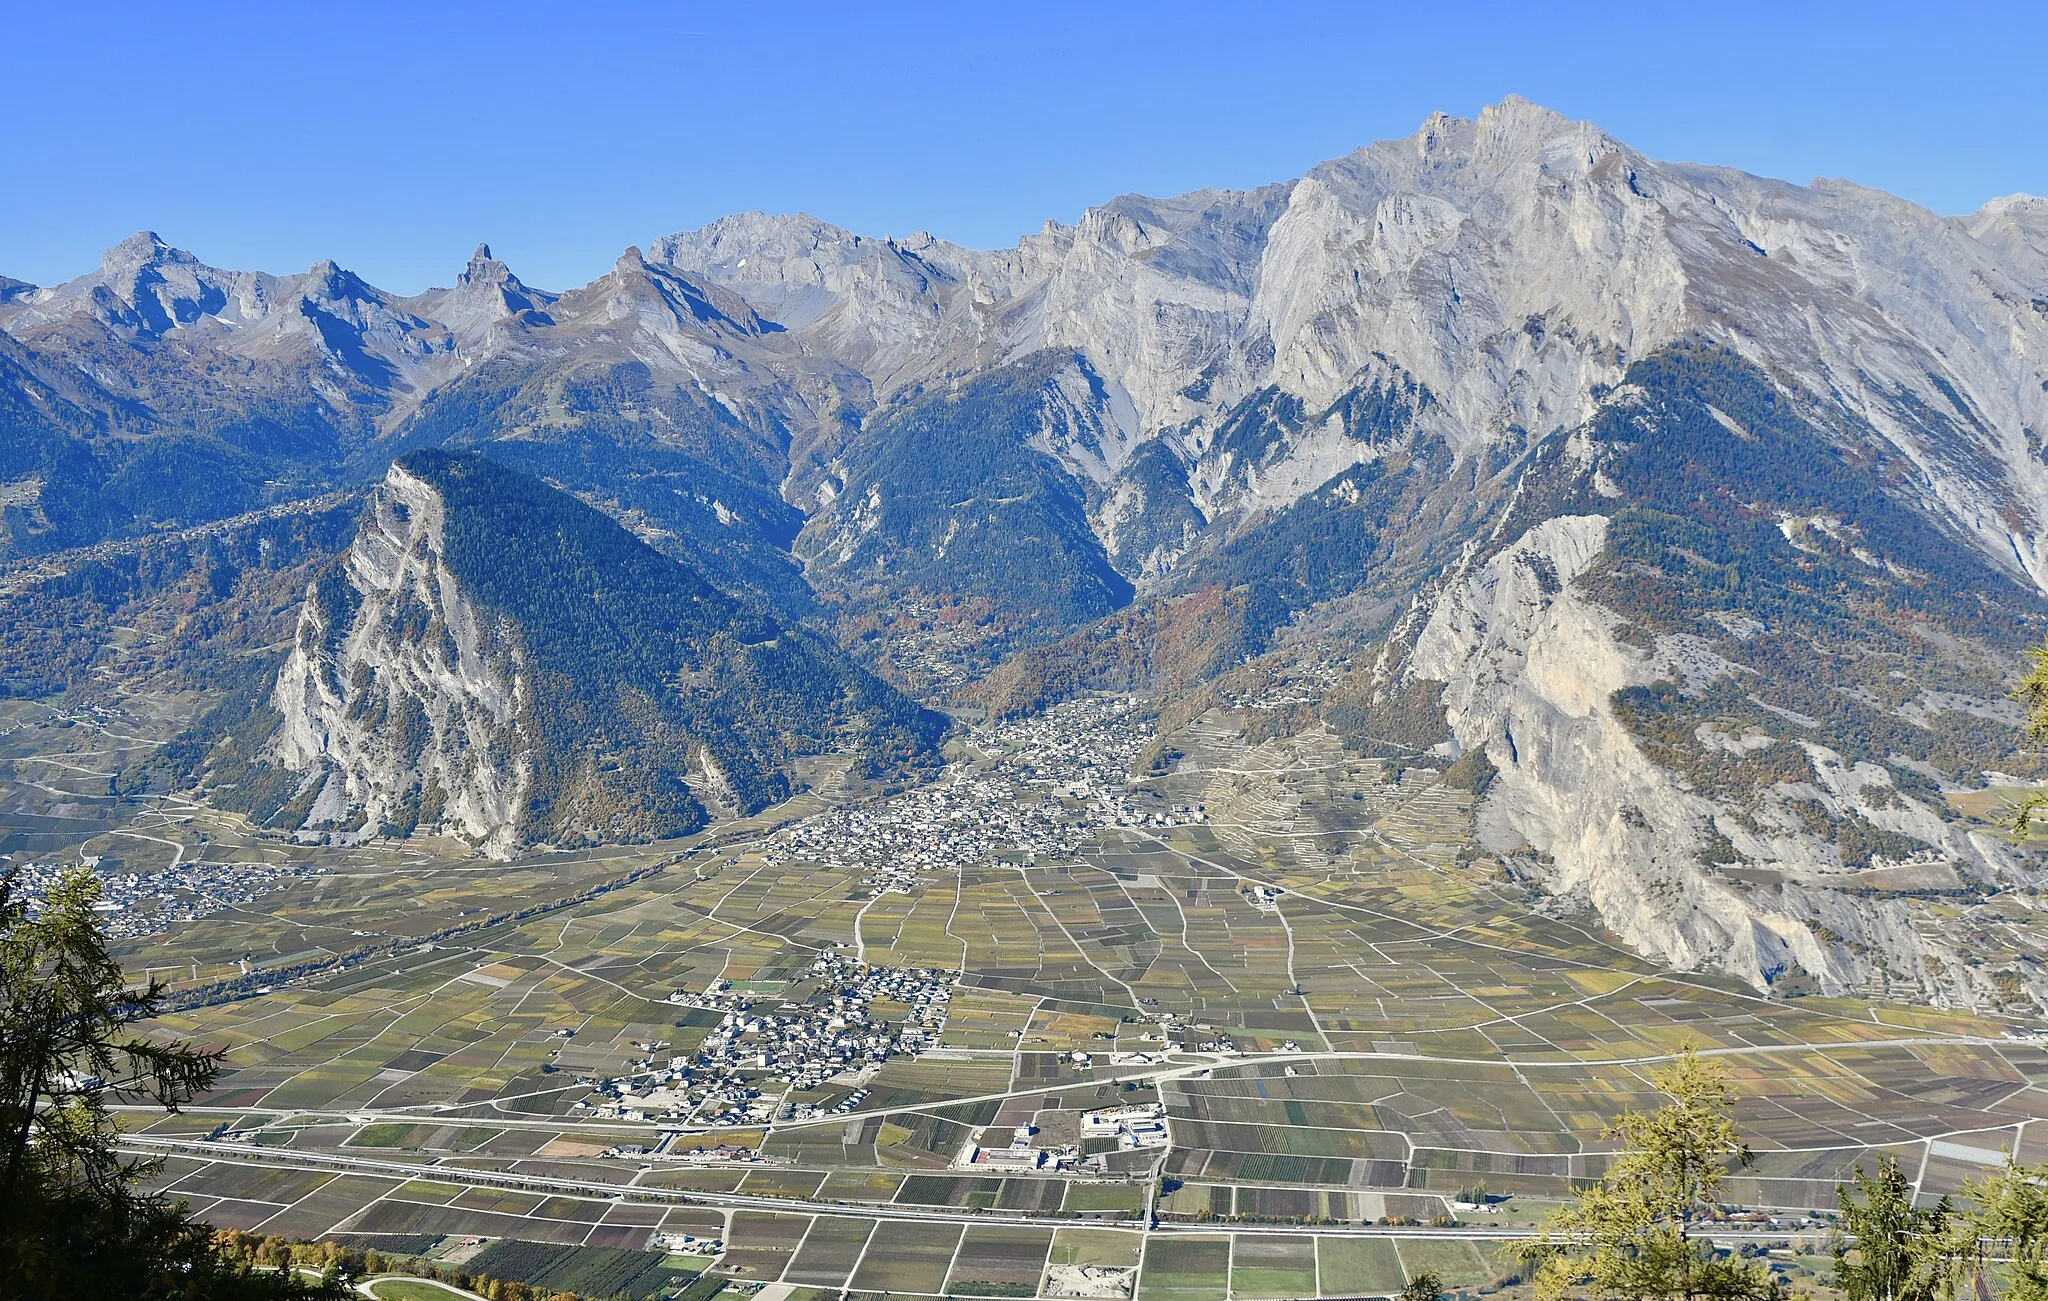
(1182, 1067)
(286, 1159)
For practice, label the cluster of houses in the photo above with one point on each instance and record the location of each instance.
(857, 1018)
(1055, 781)
(135, 904)
(1304, 682)
(1079, 754)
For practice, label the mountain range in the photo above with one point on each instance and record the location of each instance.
(1711, 511)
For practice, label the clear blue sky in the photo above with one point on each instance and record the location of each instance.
(393, 137)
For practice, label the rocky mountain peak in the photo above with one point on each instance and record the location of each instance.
(486, 273)
(665, 300)
(2016, 225)
(146, 287)
(486, 301)
(141, 249)
(328, 279)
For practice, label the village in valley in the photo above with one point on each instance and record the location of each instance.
(137, 904)
(835, 1027)
(1045, 786)
(1250, 1021)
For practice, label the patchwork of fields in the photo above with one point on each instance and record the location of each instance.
(1350, 1020)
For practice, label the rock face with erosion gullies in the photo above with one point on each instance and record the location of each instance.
(1711, 714)
(496, 659)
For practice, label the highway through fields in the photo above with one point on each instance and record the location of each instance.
(1178, 1070)
(285, 1159)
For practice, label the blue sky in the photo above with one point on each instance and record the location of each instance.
(393, 137)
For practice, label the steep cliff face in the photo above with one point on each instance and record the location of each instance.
(399, 698)
(495, 659)
(1715, 685)
(1529, 666)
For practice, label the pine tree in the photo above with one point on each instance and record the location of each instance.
(1425, 1286)
(75, 1220)
(1630, 1235)
(1891, 1250)
(2008, 1223)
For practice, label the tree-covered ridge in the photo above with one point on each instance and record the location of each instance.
(640, 667)
(944, 493)
(1786, 540)
(208, 605)
(696, 479)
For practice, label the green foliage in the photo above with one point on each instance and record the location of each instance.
(2033, 693)
(1169, 646)
(705, 478)
(1337, 539)
(1163, 514)
(943, 494)
(73, 1221)
(1406, 720)
(1778, 530)
(1472, 771)
(1683, 459)
(1426, 1285)
(1629, 1235)
(1889, 1249)
(184, 466)
(1666, 722)
(2005, 1234)
(1324, 545)
(586, 1271)
(212, 603)
(640, 665)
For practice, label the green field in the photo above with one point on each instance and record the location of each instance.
(1181, 1268)
(407, 1289)
(1263, 1265)
(1360, 1266)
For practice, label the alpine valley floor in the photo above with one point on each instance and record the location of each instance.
(1372, 1049)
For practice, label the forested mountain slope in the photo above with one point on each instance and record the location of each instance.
(496, 657)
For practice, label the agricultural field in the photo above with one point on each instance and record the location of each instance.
(1346, 1019)
(830, 1250)
(907, 1256)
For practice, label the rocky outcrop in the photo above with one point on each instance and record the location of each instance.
(494, 659)
(1530, 666)
(405, 703)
